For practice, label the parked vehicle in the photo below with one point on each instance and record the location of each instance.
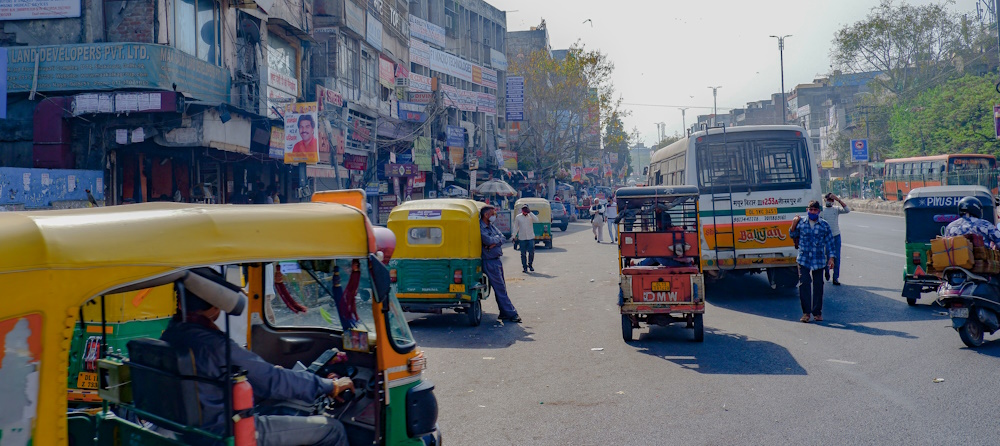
(660, 225)
(560, 218)
(61, 263)
(438, 260)
(927, 212)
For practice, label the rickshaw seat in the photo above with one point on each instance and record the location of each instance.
(164, 384)
(649, 270)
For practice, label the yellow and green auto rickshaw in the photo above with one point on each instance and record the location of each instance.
(64, 268)
(438, 263)
(541, 208)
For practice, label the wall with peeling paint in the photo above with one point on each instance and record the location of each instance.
(22, 188)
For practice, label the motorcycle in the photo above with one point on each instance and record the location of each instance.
(973, 302)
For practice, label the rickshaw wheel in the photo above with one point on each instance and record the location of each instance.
(626, 328)
(911, 301)
(699, 327)
(475, 312)
(548, 244)
(971, 333)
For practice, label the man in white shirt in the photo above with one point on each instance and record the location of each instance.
(832, 216)
(524, 236)
(610, 212)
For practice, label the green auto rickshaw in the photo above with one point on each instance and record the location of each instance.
(541, 208)
(437, 263)
(928, 211)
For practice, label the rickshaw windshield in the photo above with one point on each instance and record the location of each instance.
(924, 224)
(332, 294)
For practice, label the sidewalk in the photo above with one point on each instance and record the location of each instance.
(876, 206)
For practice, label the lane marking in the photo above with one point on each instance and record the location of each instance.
(838, 361)
(876, 251)
(863, 226)
(876, 214)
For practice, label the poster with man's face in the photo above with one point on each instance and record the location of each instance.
(301, 133)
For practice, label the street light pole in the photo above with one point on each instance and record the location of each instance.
(683, 121)
(781, 55)
(715, 104)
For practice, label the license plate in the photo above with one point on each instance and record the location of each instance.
(86, 380)
(762, 211)
(456, 288)
(959, 312)
(661, 286)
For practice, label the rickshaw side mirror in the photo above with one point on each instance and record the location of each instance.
(380, 276)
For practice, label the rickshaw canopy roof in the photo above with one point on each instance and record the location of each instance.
(458, 219)
(116, 245)
(656, 191)
(949, 191)
(541, 205)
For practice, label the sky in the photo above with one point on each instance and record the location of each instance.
(667, 53)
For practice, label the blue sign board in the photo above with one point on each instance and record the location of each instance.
(115, 66)
(456, 136)
(3, 83)
(411, 112)
(859, 150)
(515, 98)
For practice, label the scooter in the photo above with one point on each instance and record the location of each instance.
(973, 302)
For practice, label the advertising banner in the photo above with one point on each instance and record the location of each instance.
(39, 9)
(411, 112)
(577, 171)
(486, 103)
(373, 32)
(419, 83)
(328, 98)
(420, 53)
(354, 18)
(277, 145)
(421, 98)
(451, 65)
(386, 72)
(427, 31)
(515, 98)
(400, 170)
(422, 153)
(753, 235)
(355, 162)
(488, 78)
(301, 143)
(510, 159)
(455, 136)
(456, 155)
(498, 60)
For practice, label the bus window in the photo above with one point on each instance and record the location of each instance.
(960, 163)
(769, 161)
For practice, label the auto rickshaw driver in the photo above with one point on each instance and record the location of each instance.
(193, 328)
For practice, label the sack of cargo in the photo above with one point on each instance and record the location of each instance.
(986, 267)
(952, 251)
(982, 253)
(976, 239)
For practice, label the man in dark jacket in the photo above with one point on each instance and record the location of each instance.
(207, 343)
(492, 239)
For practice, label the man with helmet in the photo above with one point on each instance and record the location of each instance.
(970, 221)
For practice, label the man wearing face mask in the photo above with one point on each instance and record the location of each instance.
(815, 253)
(492, 239)
(831, 214)
(524, 237)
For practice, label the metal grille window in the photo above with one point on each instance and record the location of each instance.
(424, 236)
(757, 164)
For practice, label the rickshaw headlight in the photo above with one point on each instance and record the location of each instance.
(458, 276)
(392, 275)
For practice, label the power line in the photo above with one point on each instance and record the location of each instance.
(675, 106)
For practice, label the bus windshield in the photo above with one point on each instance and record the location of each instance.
(757, 161)
(962, 163)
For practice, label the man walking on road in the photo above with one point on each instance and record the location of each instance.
(492, 238)
(831, 215)
(524, 236)
(610, 213)
(815, 252)
(597, 220)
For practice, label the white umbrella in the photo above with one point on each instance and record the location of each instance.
(496, 187)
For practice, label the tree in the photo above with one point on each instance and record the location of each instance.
(912, 46)
(618, 141)
(567, 103)
(956, 117)
(666, 141)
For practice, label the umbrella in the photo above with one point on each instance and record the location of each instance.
(496, 187)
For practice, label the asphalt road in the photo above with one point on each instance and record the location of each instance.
(564, 376)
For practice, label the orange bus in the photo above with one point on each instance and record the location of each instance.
(905, 174)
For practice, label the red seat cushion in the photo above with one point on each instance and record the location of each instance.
(644, 270)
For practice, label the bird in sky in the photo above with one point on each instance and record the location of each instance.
(591, 22)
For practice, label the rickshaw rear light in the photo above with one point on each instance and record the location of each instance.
(417, 363)
(916, 258)
(458, 276)
(392, 275)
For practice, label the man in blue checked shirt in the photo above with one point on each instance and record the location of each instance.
(815, 253)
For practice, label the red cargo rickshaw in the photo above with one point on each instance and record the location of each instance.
(659, 258)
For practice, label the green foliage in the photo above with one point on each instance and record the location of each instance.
(666, 141)
(956, 117)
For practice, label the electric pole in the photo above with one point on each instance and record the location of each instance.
(781, 55)
(683, 121)
(715, 104)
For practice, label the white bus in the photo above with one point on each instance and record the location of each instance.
(753, 180)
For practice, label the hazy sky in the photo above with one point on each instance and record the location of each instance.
(670, 52)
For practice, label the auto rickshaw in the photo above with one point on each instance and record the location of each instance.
(659, 258)
(291, 308)
(438, 260)
(541, 208)
(928, 211)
